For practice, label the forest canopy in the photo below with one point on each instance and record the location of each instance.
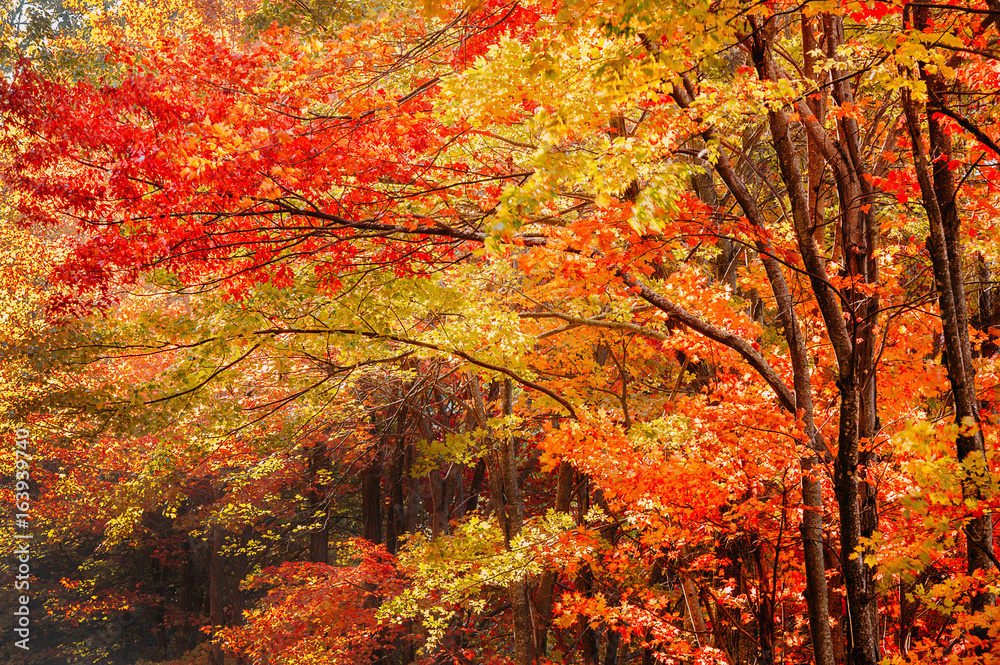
(500, 332)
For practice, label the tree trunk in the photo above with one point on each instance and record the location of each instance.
(590, 643)
(860, 596)
(691, 601)
(371, 497)
(215, 584)
(938, 191)
(509, 509)
(546, 587)
(395, 525)
(319, 536)
(812, 495)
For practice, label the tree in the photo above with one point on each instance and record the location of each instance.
(677, 241)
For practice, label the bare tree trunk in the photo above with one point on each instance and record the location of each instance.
(395, 525)
(475, 487)
(509, 508)
(860, 239)
(655, 576)
(817, 104)
(938, 192)
(590, 643)
(546, 587)
(524, 636)
(860, 594)
(371, 497)
(812, 495)
(215, 607)
(319, 536)
(692, 602)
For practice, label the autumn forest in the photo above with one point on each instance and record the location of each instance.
(392, 332)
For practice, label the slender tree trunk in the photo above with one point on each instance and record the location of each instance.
(524, 647)
(475, 487)
(509, 508)
(590, 643)
(215, 585)
(441, 486)
(655, 577)
(546, 587)
(812, 495)
(319, 536)
(938, 192)
(988, 307)
(817, 104)
(864, 644)
(371, 497)
(859, 241)
(611, 651)
(395, 525)
(191, 589)
(692, 602)
(413, 508)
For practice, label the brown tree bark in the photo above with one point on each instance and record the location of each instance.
(800, 401)
(840, 325)
(395, 525)
(546, 586)
(938, 193)
(319, 537)
(859, 240)
(508, 505)
(215, 586)
(371, 496)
